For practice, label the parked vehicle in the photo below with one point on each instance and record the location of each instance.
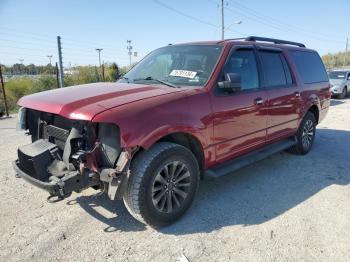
(184, 112)
(340, 82)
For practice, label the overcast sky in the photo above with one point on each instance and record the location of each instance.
(28, 29)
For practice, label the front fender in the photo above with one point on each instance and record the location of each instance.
(144, 122)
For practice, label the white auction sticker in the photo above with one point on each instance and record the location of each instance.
(183, 73)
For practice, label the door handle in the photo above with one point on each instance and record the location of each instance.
(259, 101)
(297, 94)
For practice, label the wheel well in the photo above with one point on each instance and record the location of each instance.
(188, 141)
(314, 110)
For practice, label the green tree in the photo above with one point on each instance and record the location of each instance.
(113, 72)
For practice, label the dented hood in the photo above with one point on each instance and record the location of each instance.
(85, 101)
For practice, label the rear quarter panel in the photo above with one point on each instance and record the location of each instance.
(311, 94)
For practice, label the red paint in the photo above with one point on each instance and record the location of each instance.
(225, 126)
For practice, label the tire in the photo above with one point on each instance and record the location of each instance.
(305, 136)
(162, 184)
(344, 93)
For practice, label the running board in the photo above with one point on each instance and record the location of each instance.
(250, 158)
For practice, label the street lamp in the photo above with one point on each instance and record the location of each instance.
(234, 23)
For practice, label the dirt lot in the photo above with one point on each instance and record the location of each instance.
(285, 208)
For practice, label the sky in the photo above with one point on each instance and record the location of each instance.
(28, 28)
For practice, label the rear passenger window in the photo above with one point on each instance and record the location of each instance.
(275, 69)
(310, 66)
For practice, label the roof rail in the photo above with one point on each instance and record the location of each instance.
(272, 40)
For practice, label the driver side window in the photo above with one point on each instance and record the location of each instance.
(243, 62)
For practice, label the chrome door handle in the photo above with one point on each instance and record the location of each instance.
(259, 101)
(297, 94)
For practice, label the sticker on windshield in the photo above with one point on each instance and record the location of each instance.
(183, 73)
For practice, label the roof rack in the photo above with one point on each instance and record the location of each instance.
(272, 40)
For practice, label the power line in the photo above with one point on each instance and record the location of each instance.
(276, 21)
(23, 48)
(263, 19)
(191, 17)
(25, 42)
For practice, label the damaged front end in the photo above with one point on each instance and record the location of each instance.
(71, 155)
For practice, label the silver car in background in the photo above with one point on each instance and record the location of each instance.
(340, 82)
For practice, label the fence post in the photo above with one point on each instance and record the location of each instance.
(57, 77)
(4, 93)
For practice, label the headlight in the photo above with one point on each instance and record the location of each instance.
(21, 119)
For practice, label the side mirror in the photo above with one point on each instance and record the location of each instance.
(232, 83)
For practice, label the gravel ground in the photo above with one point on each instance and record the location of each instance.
(284, 208)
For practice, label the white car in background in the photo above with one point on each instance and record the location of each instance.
(340, 82)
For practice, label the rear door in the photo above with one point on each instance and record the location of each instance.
(283, 94)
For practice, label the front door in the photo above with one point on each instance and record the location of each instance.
(240, 117)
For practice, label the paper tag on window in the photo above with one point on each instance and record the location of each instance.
(183, 73)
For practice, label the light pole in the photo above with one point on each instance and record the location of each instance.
(99, 54)
(222, 21)
(49, 57)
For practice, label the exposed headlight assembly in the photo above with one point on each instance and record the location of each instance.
(109, 137)
(21, 119)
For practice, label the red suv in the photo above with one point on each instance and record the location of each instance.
(184, 112)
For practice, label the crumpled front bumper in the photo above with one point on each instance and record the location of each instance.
(60, 187)
(37, 163)
(54, 188)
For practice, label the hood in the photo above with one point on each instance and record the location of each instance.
(336, 81)
(85, 101)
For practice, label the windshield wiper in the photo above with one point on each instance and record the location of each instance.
(127, 79)
(149, 78)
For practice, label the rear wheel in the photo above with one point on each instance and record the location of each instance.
(305, 135)
(162, 184)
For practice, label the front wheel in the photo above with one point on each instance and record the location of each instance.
(162, 184)
(344, 93)
(305, 136)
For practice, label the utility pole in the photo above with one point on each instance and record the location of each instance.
(129, 48)
(60, 61)
(222, 21)
(4, 93)
(49, 57)
(346, 52)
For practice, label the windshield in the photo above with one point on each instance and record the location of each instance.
(337, 75)
(177, 65)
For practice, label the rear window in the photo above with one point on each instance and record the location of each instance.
(275, 69)
(337, 75)
(310, 66)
